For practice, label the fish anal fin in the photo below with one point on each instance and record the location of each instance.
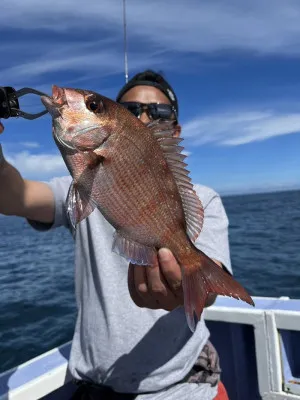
(207, 277)
(79, 206)
(165, 131)
(134, 252)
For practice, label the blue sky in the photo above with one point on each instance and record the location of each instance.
(234, 66)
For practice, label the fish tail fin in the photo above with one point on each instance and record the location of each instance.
(204, 278)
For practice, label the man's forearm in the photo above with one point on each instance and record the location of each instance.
(23, 198)
(12, 188)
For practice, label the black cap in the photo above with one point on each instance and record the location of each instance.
(151, 78)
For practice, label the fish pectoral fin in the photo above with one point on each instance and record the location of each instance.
(96, 157)
(134, 252)
(79, 206)
(93, 160)
(101, 153)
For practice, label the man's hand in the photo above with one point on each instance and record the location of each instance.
(159, 286)
(1, 127)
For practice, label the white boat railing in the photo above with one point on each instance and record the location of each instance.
(263, 344)
(258, 347)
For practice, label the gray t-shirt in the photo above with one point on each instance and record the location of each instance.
(115, 342)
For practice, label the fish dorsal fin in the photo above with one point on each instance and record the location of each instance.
(192, 206)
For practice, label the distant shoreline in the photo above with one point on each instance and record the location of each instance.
(271, 191)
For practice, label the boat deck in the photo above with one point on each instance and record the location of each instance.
(258, 348)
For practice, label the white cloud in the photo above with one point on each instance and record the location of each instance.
(269, 26)
(30, 145)
(88, 63)
(37, 166)
(88, 39)
(240, 127)
(85, 67)
(16, 146)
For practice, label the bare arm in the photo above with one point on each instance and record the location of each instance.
(21, 197)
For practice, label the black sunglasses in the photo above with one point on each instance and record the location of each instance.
(154, 110)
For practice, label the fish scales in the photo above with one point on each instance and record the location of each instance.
(136, 177)
(126, 175)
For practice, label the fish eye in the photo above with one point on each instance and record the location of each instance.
(96, 106)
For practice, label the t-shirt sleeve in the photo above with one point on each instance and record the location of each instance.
(60, 187)
(213, 239)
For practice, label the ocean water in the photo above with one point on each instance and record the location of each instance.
(37, 304)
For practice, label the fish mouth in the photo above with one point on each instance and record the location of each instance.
(63, 142)
(53, 104)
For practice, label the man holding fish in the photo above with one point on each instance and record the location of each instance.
(129, 191)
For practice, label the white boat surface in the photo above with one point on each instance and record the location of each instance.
(258, 348)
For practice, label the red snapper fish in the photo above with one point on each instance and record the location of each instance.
(135, 175)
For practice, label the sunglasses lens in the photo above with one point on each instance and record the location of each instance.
(134, 108)
(154, 111)
(163, 111)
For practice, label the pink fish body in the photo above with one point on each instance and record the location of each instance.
(135, 175)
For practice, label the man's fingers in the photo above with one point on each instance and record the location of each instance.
(157, 286)
(132, 289)
(150, 291)
(155, 280)
(159, 289)
(171, 271)
(140, 279)
(141, 294)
